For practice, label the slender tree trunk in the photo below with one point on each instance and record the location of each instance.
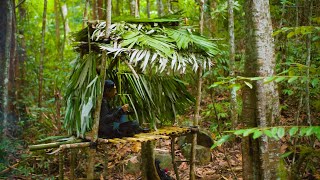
(85, 14)
(198, 100)
(308, 62)
(160, 8)
(42, 55)
(100, 9)
(132, 7)
(94, 10)
(117, 8)
(137, 9)
(148, 8)
(57, 21)
(95, 128)
(66, 29)
(261, 103)
(233, 99)
(22, 56)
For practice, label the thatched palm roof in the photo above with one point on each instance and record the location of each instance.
(147, 46)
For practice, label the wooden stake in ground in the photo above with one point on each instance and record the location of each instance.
(95, 128)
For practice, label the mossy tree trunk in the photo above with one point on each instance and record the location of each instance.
(148, 167)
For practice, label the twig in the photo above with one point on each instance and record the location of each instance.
(9, 168)
(20, 3)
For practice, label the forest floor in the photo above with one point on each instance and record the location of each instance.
(226, 162)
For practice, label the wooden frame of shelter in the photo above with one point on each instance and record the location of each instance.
(152, 43)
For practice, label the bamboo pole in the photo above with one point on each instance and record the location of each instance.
(51, 145)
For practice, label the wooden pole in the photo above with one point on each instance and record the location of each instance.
(61, 165)
(95, 128)
(198, 100)
(175, 168)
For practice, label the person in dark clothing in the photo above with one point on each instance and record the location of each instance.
(114, 121)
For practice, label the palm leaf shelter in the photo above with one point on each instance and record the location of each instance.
(145, 58)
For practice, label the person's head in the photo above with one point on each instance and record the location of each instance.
(110, 89)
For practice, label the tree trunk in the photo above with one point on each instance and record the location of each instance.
(148, 8)
(261, 103)
(85, 13)
(117, 8)
(21, 58)
(198, 100)
(7, 59)
(94, 10)
(57, 21)
(233, 99)
(42, 55)
(100, 9)
(137, 9)
(66, 29)
(132, 7)
(95, 128)
(148, 167)
(160, 8)
(308, 62)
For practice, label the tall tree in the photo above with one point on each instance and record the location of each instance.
(160, 8)
(7, 62)
(148, 8)
(57, 22)
(233, 99)
(42, 55)
(308, 62)
(261, 102)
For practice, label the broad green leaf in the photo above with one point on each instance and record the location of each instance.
(274, 131)
(281, 132)
(257, 133)
(222, 140)
(310, 131)
(248, 131)
(303, 131)
(268, 133)
(293, 131)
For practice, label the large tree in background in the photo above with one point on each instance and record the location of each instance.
(261, 102)
(7, 63)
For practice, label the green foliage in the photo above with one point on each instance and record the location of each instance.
(276, 133)
(159, 47)
(81, 96)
